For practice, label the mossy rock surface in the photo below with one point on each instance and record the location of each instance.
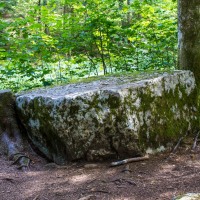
(121, 116)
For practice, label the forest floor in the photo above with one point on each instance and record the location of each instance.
(160, 177)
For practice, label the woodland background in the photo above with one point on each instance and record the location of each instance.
(50, 42)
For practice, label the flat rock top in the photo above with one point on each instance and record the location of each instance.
(106, 83)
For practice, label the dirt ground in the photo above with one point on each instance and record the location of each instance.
(160, 177)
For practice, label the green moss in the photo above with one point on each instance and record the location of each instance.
(160, 107)
(74, 110)
(114, 101)
(94, 102)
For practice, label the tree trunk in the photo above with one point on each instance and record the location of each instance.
(11, 141)
(189, 36)
(39, 11)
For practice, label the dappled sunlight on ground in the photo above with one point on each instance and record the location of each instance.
(78, 179)
(160, 177)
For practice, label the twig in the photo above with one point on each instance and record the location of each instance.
(117, 181)
(195, 141)
(130, 182)
(178, 143)
(121, 181)
(102, 191)
(36, 197)
(122, 162)
(121, 186)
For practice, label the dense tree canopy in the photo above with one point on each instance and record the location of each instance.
(44, 42)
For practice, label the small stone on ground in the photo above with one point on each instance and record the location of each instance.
(189, 196)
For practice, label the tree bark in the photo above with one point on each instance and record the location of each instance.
(189, 37)
(11, 141)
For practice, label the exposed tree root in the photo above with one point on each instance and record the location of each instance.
(11, 141)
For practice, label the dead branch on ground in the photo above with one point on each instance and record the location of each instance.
(129, 160)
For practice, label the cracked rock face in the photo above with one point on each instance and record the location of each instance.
(110, 118)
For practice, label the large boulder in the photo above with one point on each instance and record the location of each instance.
(113, 117)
